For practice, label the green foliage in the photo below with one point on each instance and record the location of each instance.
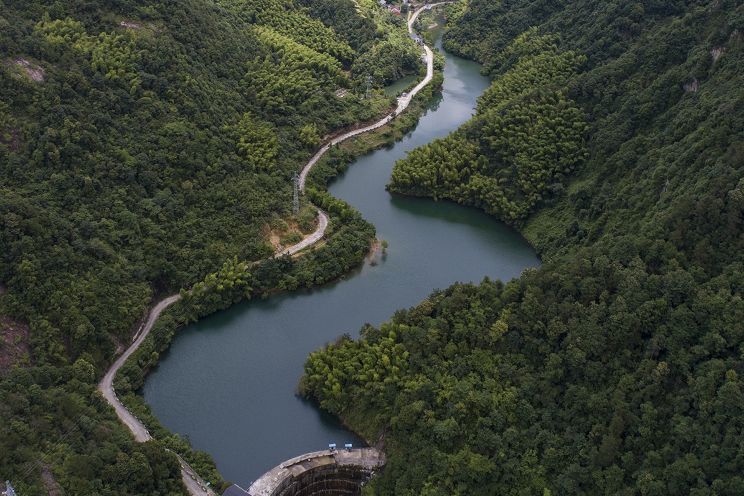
(123, 177)
(64, 33)
(6, 123)
(284, 17)
(339, 157)
(309, 135)
(331, 204)
(257, 142)
(307, 218)
(615, 368)
(122, 173)
(388, 61)
(233, 275)
(55, 423)
(114, 55)
(509, 389)
(525, 139)
(288, 73)
(344, 18)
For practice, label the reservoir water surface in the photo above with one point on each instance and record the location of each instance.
(229, 381)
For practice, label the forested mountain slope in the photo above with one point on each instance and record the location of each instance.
(613, 136)
(142, 145)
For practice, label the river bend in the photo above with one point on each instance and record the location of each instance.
(229, 380)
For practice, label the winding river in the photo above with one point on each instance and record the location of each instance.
(229, 381)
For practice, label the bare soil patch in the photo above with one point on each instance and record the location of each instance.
(14, 348)
(34, 71)
(50, 483)
(285, 235)
(274, 240)
(716, 53)
(130, 25)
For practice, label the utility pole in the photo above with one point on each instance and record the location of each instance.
(369, 86)
(296, 194)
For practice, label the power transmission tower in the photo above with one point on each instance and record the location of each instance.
(296, 194)
(369, 87)
(666, 186)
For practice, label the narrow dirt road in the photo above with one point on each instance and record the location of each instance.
(403, 103)
(106, 386)
(310, 239)
(195, 485)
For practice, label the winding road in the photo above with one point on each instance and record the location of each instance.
(403, 103)
(195, 485)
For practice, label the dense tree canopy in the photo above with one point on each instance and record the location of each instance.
(585, 377)
(146, 146)
(615, 368)
(525, 139)
(284, 17)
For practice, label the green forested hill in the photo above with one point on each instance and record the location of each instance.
(616, 367)
(135, 161)
(527, 137)
(142, 145)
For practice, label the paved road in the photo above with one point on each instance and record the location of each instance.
(403, 103)
(106, 385)
(310, 239)
(194, 484)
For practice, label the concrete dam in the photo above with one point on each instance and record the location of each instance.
(321, 473)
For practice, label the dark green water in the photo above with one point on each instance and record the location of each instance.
(229, 381)
(404, 83)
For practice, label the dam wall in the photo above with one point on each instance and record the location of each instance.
(321, 473)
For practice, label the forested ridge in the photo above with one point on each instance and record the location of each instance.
(616, 367)
(526, 138)
(146, 146)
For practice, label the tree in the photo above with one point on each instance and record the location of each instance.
(257, 142)
(309, 135)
